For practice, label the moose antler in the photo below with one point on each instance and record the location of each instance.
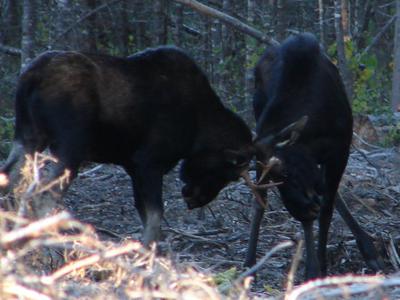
(273, 161)
(255, 187)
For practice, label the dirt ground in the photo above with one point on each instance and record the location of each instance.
(215, 239)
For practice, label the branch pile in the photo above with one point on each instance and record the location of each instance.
(90, 268)
(86, 266)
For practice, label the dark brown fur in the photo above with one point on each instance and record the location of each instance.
(145, 113)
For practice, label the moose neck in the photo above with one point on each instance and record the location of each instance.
(219, 129)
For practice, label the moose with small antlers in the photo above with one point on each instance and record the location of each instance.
(297, 81)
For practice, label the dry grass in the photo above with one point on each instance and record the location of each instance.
(95, 269)
(91, 268)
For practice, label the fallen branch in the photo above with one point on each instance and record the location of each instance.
(88, 261)
(22, 292)
(259, 264)
(344, 283)
(376, 39)
(10, 50)
(365, 142)
(229, 20)
(294, 266)
(198, 238)
(83, 18)
(34, 229)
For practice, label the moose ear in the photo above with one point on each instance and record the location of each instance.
(294, 130)
(236, 158)
(287, 136)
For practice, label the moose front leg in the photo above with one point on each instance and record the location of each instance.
(312, 263)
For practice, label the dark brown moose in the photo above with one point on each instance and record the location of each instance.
(296, 81)
(145, 113)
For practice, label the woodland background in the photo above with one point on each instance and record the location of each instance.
(360, 36)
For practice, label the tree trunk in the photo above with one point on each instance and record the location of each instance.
(363, 11)
(124, 27)
(281, 22)
(321, 22)
(140, 28)
(207, 49)
(10, 24)
(28, 32)
(178, 38)
(249, 78)
(91, 27)
(63, 12)
(218, 56)
(342, 61)
(396, 71)
(159, 29)
(345, 19)
(227, 35)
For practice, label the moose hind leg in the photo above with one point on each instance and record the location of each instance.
(332, 173)
(147, 189)
(69, 150)
(364, 241)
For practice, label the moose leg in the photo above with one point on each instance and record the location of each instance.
(69, 155)
(147, 189)
(324, 224)
(312, 264)
(258, 212)
(364, 240)
(257, 215)
(332, 173)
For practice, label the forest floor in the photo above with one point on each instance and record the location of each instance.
(215, 239)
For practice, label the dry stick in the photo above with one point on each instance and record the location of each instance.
(368, 160)
(394, 257)
(109, 232)
(371, 209)
(12, 217)
(85, 262)
(61, 181)
(10, 50)
(376, 39)
(23, 292)
(199, 238)
(258, 265)
(89, 172)
(294, 266)
(35, 228)
(365, 142)
(212, 295)
(343, 280)
(83, 18)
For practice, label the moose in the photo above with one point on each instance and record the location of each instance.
(296, 80)
(145, 113)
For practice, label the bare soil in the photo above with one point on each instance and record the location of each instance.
(215, 238)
